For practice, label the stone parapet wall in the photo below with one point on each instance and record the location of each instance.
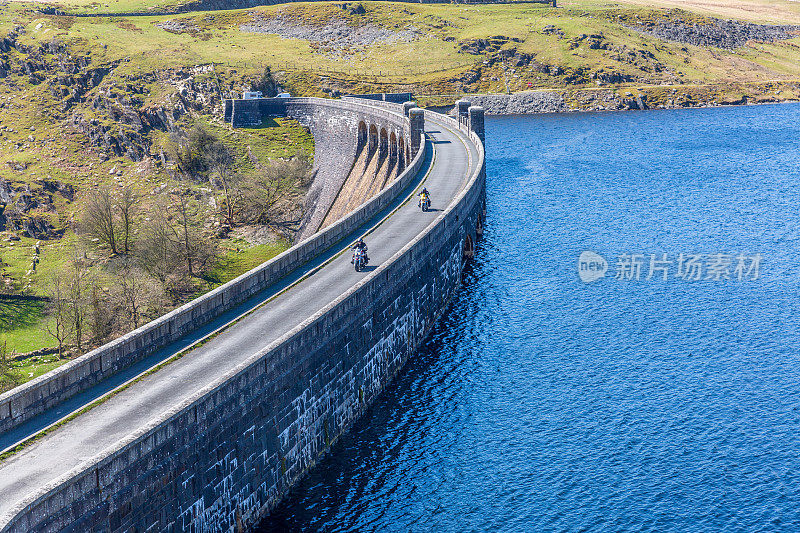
(395, 98)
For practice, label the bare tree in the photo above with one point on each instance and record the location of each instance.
(8, 378)
(139, 294)
(127, 207)
(220, 160)
(155, 251)
(76, 298)
(99, 219)
(110, 219)
(60, 328)
(194, 246)
(274, 195)
(175, 246)
(102, 314)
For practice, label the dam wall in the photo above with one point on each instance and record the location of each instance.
(336, 122)
(340, 131)
(225, 457)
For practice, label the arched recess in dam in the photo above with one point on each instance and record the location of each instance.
(362, 136)
(378, 159)
(383, 144)
(393, 150)
(401, 159)
(373, 139)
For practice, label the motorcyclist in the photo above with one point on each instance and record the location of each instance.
(360, 246)
(423, 195)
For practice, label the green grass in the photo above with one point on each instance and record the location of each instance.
(774, 11)
(33, 367)
(276, 138)
(23, 323)
(241, 258)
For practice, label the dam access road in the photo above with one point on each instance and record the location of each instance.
(450, 158)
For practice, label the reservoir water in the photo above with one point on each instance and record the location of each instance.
(628, 403)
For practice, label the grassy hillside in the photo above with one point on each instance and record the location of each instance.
(432, 47)
(774, 11)
(767, 11)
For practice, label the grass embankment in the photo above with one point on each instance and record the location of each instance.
(759, 11)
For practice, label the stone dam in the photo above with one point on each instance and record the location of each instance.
(265, 372)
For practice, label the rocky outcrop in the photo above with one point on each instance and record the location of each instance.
(485, 45)
(336, 36)
(521, 103)
(26, 210)
(126, 121)
(689, 29)
(111, 114)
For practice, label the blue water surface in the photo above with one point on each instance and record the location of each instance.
(543, 403)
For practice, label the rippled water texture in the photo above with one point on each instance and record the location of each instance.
(544, 403)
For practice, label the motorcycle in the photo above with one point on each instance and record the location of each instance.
(425, 203)
(359, 259)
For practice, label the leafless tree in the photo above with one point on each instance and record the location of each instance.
(76, 298)
(155, 251)
(195, 248)
(175, 246)
(60, 327)
(127, 207)
(99, 219)
(103, 314)
(139, 294)
(110, 219)
(273, 196)
(220, 160)
(8, 378)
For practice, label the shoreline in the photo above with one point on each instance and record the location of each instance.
(580, 111)
(587, 100)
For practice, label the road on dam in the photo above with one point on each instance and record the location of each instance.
(446, 170)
